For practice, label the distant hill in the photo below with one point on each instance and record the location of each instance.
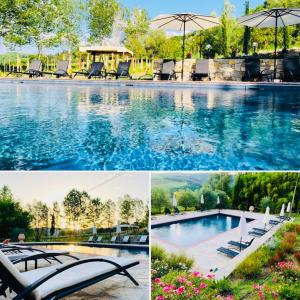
(175, 181)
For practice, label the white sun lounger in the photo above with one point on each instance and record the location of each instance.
(62, 280)
(23, 254)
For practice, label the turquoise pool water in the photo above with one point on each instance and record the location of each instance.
(94, 251)
(82, 127)
(189, 232)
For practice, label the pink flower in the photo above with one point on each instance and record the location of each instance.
(261, 295)
(202, 285)
(196, 291)
(160, 297)
(210, 276)
(229, 297)
(258, 287)
(162, 284)
(196, 274)
(180, 290)
(275, 279)
(189, 283)
(157, 280)
(181, 279)
(167, 289)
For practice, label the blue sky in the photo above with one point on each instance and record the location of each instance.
(155, 7)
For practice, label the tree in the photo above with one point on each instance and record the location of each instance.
(186, 199)
(12, 216)
(221, 182)
(94, 211)
(126, 205)
(247, 31)
(12, 16)
(265, 202)
(109, 211)
(56, 213)
(136, 30)
(101, 18)
(225, 28)
(40, 218)
(69, 25)
(139, 210)
(210, 198)
(75, 206)
(159, 199)
(52, 228)
(250, 188)
(43, 19)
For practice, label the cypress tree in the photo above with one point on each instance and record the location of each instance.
(247, 32)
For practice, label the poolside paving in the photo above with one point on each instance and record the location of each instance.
(204, 252)
(116, 287)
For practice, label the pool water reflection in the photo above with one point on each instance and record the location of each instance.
(78, 127)
(190, 232)
(95, 251)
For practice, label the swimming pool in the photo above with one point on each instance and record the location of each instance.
(72, 126)
(189, 232)
(95, 251)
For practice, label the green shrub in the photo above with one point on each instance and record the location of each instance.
(159, 268)
(180, 262)
(290, 292)
(158, 253)
(223, 287)
(252, 266)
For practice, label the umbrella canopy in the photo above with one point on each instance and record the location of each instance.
(282, 210)
(267, 216)
(94, 231)
(243, 226)
(274, 18)
(218, 200)
(202, 199)
(288, 209)
(174, 200)
(118, 228)
(184, 22)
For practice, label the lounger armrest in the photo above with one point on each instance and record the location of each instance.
(59, 270)
(44, 255)
(13, 248)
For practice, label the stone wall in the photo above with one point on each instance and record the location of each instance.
(221, 69)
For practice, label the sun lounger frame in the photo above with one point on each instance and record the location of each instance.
(26, 293)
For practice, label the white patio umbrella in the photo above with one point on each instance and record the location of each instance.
(118, 228)
(266, 216)
(288, 209)
(184, 22)
(243, 227)
(274, 18)
(202, 199)
(218, 200)
(174, 200)
(94, 231)
(282, 210)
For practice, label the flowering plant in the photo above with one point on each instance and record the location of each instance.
(186, 285)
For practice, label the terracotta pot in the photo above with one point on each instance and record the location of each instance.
(21, 237)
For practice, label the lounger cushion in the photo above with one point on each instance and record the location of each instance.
(4, 260)
(72, 276)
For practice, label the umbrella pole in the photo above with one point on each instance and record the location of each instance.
(295, 189)
(183, 50)
(275, 44)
